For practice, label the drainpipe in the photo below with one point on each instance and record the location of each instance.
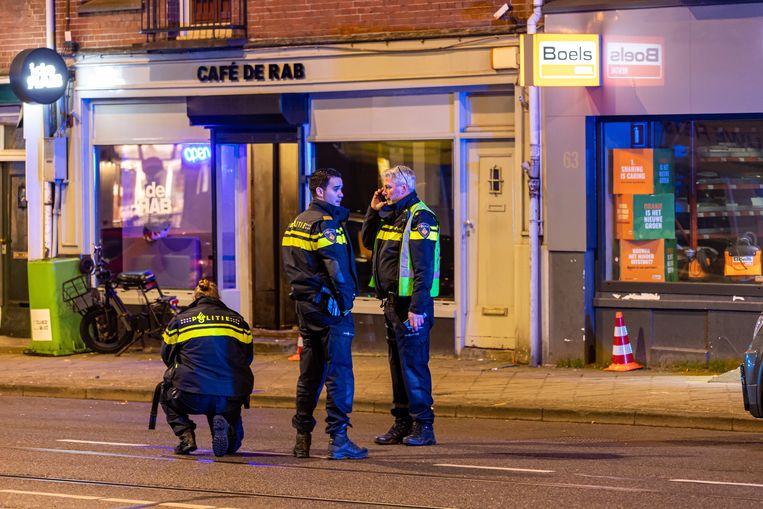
(533, 170)
(49, 191)
(50, 24)
(52, 190)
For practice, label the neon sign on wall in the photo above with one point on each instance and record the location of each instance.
(196, 153)
(39, 76)
(43, 76)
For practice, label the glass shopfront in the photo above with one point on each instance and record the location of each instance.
(155, 210)
(362, 164)
(682, 200)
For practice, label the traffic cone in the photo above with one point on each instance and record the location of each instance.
(295, 357)
(622, 354)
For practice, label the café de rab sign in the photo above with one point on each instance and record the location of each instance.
(39, 76)
(235, 72)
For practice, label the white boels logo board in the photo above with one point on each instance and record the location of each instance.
(560, 60)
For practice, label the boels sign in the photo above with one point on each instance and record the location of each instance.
(560, 60)
(39, 76)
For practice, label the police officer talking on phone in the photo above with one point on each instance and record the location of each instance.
(320, 266)
(404, 236)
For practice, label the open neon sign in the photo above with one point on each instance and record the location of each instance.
(197, 153)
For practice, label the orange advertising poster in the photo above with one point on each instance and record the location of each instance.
(624, 216)
(642, 260)
(632, 171)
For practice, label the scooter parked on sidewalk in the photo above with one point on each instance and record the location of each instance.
(108, 325)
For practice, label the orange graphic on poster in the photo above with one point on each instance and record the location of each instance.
(632, 171)
(624, 216)
(642, 260)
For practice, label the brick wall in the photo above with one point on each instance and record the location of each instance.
(98, 30)
(312, 18)
(22, 24)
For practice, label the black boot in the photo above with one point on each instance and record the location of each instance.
(220, 429)
(395, 434)
(342, 448)
(235, 437)
(421, 434)
(302, 445)
(187, 443)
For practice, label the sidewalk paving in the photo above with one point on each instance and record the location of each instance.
(462, 388)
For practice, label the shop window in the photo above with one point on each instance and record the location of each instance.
(362, 164)
(489, 112)
(683, 200)
(155, 210)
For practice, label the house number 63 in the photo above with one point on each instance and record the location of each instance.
(571, 160)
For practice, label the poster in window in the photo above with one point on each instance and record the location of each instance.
(651, 261)
(642, 171)
(645, 216)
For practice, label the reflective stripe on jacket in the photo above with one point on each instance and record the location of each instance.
(317, 254)
(423, 232)
(208, 349)
(384, 230)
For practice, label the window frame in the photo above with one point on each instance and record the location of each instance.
(98, 227)
(362, 298)
(603, 236)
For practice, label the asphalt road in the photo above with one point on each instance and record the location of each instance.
(83, 454)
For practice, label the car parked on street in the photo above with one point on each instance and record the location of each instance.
(751, 370)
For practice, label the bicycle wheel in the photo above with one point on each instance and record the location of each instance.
(103, 331)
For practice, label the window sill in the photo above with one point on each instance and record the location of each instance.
(100, 6)
(370, 306)
(640, 299)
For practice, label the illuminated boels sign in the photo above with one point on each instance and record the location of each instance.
(560, 60)
(39, 76)
(630, 61)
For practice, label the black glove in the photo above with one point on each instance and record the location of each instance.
(328, 302)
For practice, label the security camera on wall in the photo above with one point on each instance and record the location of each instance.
(505, 8)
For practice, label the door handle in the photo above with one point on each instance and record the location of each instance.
(468, 228)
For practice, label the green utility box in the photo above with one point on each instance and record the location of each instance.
(55, 327)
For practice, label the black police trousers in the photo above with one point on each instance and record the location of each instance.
(177, 406)
(326, 359)
(408, 355)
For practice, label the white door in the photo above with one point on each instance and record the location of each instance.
(489, 236)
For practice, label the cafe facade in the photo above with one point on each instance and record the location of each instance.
(190, 164)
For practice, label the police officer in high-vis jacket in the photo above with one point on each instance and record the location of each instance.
(404, 235)
(207, 349)
(320, 266)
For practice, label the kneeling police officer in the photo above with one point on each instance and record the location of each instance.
(207, 349)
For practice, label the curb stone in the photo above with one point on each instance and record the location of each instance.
(582, 416)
